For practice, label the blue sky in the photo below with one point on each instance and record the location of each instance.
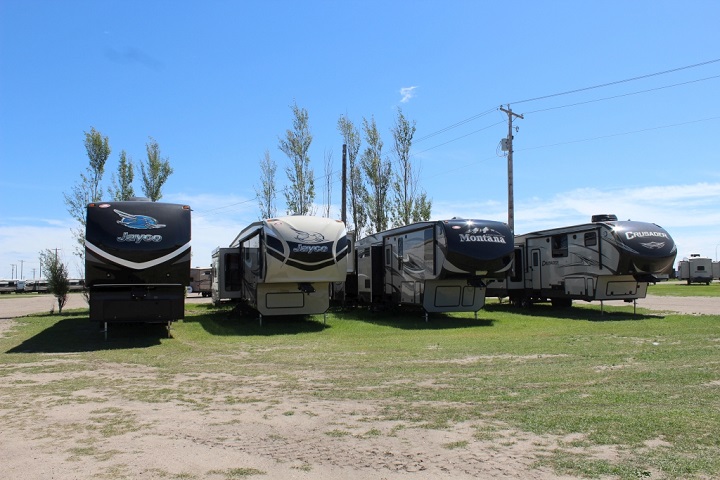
(213, 83)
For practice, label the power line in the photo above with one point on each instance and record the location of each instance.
(621, 134)
(482, 114)
(454, 125)
(623, 95)
(617, 82)
(458, 138)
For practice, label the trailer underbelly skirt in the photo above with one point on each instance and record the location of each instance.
(142, 303)
(452, 296)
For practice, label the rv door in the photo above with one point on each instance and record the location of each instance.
(388, 269)
(536, 271)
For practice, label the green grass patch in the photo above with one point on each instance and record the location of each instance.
(644, 385)
(676, 288)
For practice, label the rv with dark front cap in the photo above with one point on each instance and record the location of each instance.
(137, 260)
(441, 266)
(605, 259)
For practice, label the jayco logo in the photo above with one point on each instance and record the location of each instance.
(139, 237)
(302, 248)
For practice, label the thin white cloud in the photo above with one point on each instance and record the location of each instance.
(407, 93)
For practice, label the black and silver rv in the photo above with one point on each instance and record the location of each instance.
(282, 266)
(439, 265)
(605, 259)
(137, 260)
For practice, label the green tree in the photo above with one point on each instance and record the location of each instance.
(378, 171)
(56, 273)
(328, 177)
(300, 193)
(88, 189)
(410, 202)
(356, 191)
(267, 192)
(121, 188)
(155, 172)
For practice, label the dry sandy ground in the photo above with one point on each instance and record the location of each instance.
(96, 432)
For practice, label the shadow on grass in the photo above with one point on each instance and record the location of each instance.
(227, 322)
(413, 319)
(586, 312)
(75, 333)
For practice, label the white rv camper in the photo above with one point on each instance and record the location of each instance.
(606, 259)
(439, 265)
(282, 266)
(696, 269)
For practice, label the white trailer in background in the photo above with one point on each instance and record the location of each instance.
(696, 269)
(606, 259)
(282, 266)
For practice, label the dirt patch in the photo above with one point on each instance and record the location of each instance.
(242, 428)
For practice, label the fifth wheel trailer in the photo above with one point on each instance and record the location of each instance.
(696, 269)
(438, 265)
(137, 261)
(605, 259)
(282, 266)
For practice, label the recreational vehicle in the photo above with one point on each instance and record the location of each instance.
(716, 270)
(440, 266)
(282, 266)
(200, 281)
(606, 259)
(36, 286)
(137, 261)
(696, 269)
(12, 286)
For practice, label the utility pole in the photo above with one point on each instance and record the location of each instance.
(343, 215)
(509, 145)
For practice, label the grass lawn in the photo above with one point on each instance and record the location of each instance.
(676, 288)
(646, 385)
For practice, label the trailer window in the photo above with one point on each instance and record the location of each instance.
(590, 239)
(560, 245)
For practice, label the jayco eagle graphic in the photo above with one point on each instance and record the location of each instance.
(308, 237)
(138, 222)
